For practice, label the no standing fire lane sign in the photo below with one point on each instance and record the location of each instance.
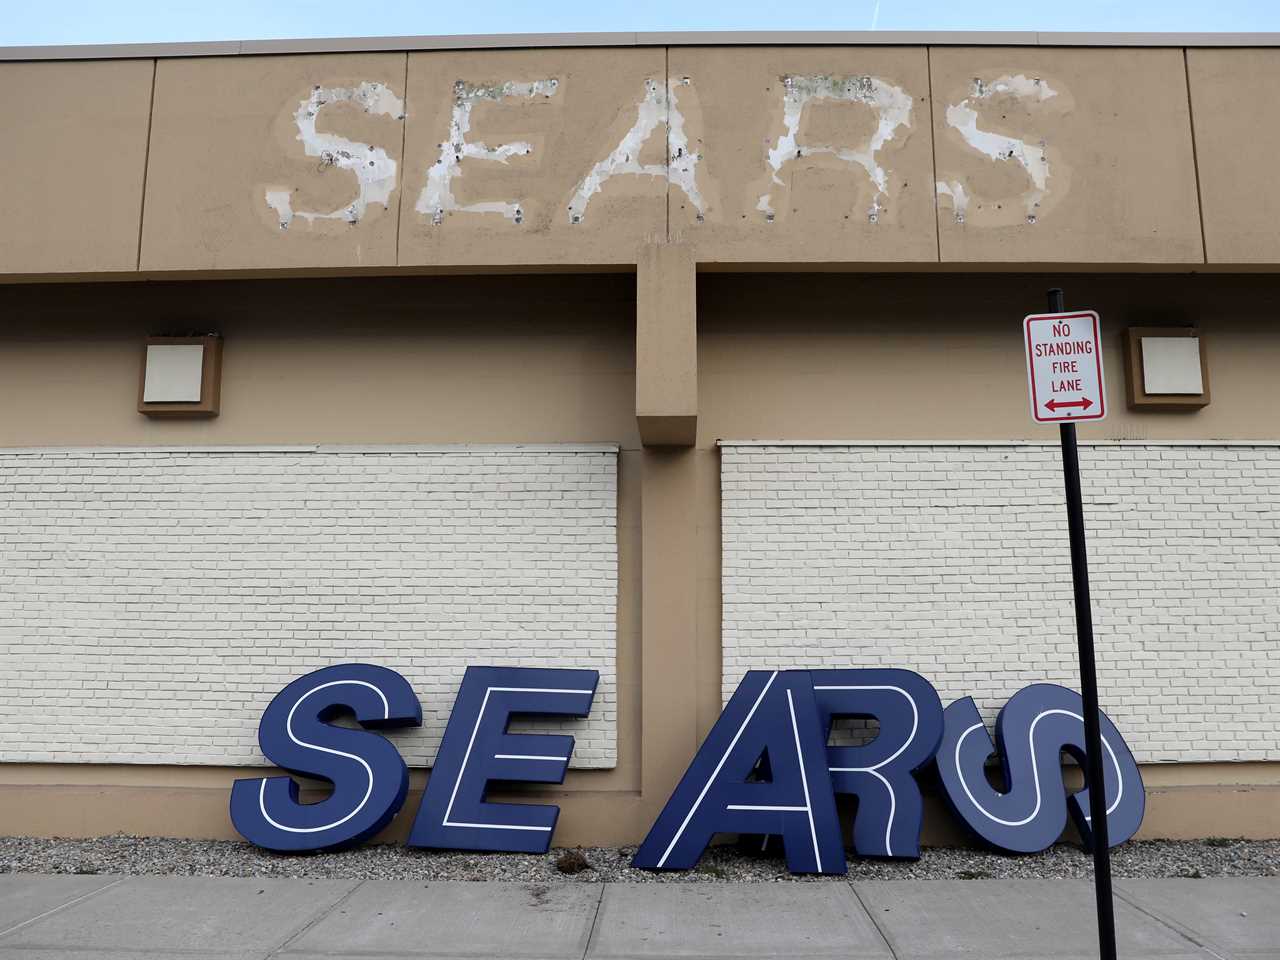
(1064, 366)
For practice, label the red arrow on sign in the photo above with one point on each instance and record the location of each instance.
(1084, 403)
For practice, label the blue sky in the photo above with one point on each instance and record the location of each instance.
(122, 21)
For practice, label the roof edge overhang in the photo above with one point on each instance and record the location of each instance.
(522, 41)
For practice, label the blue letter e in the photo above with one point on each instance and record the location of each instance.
(772, 714)
(477, 749)
(368, 775)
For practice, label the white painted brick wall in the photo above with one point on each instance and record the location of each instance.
(953, 561)
(152, 602)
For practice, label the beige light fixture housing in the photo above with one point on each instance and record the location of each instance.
(1165, 368)
(181, 376)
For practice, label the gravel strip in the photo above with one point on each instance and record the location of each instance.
(211, 858)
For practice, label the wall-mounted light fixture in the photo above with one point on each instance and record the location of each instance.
(1165, 368)
(181, 376)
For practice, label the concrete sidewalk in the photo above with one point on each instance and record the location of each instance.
(114, 918)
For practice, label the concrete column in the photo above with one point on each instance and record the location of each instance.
(669, 623)
(666, 345)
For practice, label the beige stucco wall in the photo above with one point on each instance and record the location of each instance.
(594, 104)
(417, 360)
(820, 357)
(76, 139)
(924, 358)
(1116, 134)
(821, 201)
(225, 133)
(830, 357)
(1122, 131)
(546, 359)
(1237, 133)
(424, 360)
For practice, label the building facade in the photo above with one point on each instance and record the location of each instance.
(666, 356)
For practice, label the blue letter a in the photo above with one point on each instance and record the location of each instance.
(771, 713)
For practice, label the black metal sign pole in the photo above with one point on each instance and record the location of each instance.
(1088, 683)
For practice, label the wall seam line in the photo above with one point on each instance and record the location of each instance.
(666, 94)
(404, 136)
(146, 163)
(1195, 156)
(933, 152)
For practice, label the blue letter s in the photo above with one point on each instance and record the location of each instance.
(1032, 729)
(368, 775)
